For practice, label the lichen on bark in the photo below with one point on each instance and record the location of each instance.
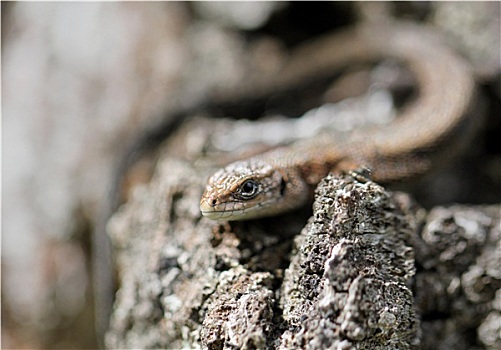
(365, 268)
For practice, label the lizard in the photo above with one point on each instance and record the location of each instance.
(283, 179)
(431, 128)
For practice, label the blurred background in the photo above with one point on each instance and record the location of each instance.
(80, 78)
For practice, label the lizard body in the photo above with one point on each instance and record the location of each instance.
(425, 132)
(284, 178)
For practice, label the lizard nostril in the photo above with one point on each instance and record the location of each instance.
(214, 202)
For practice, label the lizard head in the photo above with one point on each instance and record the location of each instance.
(246, 190)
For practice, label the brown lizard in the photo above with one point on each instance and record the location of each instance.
(425, 132)
(284, 178)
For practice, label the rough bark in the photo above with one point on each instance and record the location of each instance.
(370, 270)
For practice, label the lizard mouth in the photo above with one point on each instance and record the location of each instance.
(211, 212)
(214, 213)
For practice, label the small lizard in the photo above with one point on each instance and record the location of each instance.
(284, 178)
(431, 128)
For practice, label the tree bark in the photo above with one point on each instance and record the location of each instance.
(370, 269)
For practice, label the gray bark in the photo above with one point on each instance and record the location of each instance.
(370, 269)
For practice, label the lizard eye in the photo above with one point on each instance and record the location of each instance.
(248, 189)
